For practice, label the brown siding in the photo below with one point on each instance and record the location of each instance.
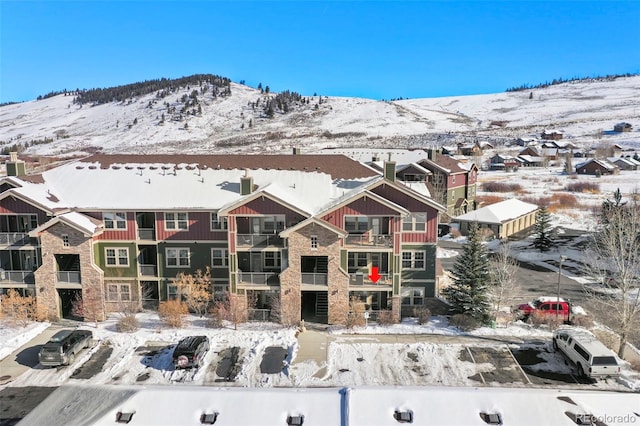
(12, 205)
(362, 206)
(266, 206)
(199, 229)
(429, 236)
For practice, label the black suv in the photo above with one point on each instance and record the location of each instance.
(63, 346)
(190, 351)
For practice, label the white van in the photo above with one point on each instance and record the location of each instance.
(591, 357)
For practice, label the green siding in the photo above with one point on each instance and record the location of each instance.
(200, 258)
(130, 271)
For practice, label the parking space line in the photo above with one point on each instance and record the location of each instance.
(475, 363)
(518, 364)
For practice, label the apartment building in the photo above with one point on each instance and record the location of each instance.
(312, 230)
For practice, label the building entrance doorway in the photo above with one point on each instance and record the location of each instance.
(67, 298)
(315, 307)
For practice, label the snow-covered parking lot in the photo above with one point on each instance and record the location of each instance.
(403, 354)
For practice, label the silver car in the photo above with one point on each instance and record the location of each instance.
(63, 346)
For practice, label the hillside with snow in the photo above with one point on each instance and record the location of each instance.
(584, 111)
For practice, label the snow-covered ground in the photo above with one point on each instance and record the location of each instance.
(581, 110)
(354, 357)
(13, 336)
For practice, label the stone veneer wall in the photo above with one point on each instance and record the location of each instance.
(299, 244)
(46, 275)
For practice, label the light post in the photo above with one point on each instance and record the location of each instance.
(562, 259)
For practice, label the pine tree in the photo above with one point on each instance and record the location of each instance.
(469, 292)
(542, 229)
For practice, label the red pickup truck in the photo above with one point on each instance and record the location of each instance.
(546, 305)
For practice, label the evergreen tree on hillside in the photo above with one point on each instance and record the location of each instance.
(543, 240)
(469, 292)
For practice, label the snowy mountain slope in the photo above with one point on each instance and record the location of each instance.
(234, 124)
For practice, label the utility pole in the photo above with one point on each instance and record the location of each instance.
(562, 259)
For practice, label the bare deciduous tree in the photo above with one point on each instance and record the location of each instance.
(195, 290)
(89, 306)
(504, 286)
(614, 259)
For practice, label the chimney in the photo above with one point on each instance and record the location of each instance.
(15, 167)
(432, 153)
(246, 183)
(296, 151)
(390, 169)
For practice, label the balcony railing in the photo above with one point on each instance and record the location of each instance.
(259, 240)
(69, 277)
(259, 278)
(11, 238)
(25, 277)
(363, 279)
(259, 314)
(369, 240)
(314, 278)
(146, 234)
(149, 270)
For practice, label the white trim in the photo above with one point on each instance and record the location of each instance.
(224, 258)
(117, 218)
(116, 256)
(176, 221)
(413, 260)
(177, 257)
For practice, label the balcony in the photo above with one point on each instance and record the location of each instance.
(13, 238)
(360, 279)
(72, 277)
(18, 277)
(147, 234)
(314, 278)
(259, 240)
(148, 270)
(259, 278)
(366, 240)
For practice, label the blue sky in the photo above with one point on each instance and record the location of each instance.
(378, 50)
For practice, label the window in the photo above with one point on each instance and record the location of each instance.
(179, 221)
(178, 257)
(356, 224)
(115, 220)
(453, 179)
(272, 259)
(273, 224)
(357, 260)
(415, 222)
(412, 296)
(584, 354)
(117, 256)
(413, 259)
(314, 241)
(65, 240)
(118, 292)
(219, 258)
(218, 222)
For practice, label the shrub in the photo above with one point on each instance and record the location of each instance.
(19, 310)
(422, 313)
(487, 200)
(550, 320)
(464, 322)
(387, 318)
(355, 316)
(127, 324)
(172, 313)
(585, 321)
(583, 187)
(219, 313)
(501, 187)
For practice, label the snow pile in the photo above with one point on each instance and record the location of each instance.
(13, 336)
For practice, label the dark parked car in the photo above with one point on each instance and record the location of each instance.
(190, 351)
(63, 346)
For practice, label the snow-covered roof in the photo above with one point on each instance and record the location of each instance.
(158, 186)
(355, 406)
(603, 163)
(499, 212)
(83, 223)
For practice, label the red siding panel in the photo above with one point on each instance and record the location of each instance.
(120, 234)
(199, 229)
